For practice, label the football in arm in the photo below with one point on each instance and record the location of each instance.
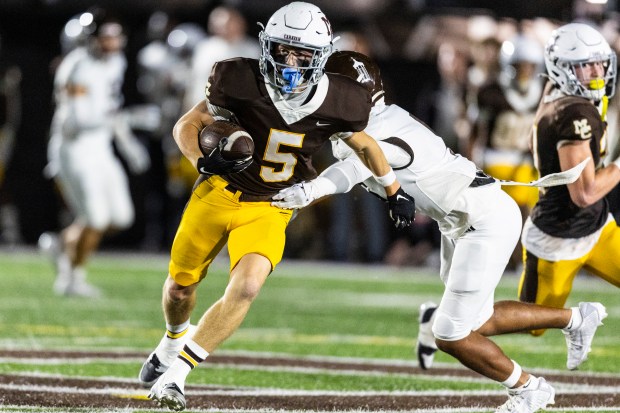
(238, 143)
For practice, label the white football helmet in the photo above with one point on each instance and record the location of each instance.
(518, 50)
(184, 38)
(574, 45)
(302, 26)
(84, 28)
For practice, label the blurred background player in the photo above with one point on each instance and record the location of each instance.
(164, 65)
(81, 157)
(571, 228)
(10, 118)
(227, 38)
(506, 106)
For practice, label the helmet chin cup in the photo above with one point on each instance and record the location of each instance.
(293, 78)
(597, 84)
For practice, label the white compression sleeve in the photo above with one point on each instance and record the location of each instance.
(346, 174)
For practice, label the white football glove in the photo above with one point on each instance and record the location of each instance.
(296, 196)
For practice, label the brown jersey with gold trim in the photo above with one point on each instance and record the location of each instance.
(283, 151)
(504, 127)
(566, 119)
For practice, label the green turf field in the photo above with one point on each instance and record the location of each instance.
(305, 309)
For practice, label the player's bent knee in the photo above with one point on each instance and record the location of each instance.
(177, 293)
(445, 328)
(123, 220)
(245, 289)
(100, 225)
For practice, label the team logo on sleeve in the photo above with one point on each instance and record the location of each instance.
(583, 128)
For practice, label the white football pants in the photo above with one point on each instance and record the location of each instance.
(472, 265)
(94, 183)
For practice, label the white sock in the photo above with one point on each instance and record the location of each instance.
(190, 356)
(177, 373)
(514, 376)
(172, 342)
(575, 320)
(176, 329)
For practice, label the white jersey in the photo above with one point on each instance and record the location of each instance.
(89, 109)
(480, 225)
(436, 177)
(92, 179)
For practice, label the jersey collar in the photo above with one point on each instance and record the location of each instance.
(292, 114)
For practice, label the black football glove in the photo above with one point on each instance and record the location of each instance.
(215, 164)
(402, 208)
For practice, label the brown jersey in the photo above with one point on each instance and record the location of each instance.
(566, 119)
(502, 126)
(283, 151)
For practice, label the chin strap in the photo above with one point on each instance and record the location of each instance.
(603, 107)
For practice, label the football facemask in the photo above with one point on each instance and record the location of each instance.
(303, 31)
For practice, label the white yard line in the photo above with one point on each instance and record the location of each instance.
(140, 393)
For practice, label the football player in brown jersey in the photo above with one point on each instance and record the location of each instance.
(290, 108)
(570, 228)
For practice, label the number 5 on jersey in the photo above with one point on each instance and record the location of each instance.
(278, 138)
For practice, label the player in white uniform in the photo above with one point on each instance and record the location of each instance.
(480, 225)
(81, 157)
(227, 39)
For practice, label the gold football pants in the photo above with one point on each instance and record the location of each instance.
(523, 195)
(549, 283)
(215, 216)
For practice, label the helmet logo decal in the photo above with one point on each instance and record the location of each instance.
(362, 73)
(328, 25)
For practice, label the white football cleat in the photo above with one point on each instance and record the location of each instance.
(425, 347)
(537, 395)
(579, 341)
(168, 395)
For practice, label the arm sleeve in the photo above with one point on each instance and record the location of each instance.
(346, 174)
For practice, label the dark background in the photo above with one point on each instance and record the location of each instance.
(30, 31)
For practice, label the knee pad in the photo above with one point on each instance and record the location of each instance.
(448, 329)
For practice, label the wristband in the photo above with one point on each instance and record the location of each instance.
(616, 162)
(387, 179)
